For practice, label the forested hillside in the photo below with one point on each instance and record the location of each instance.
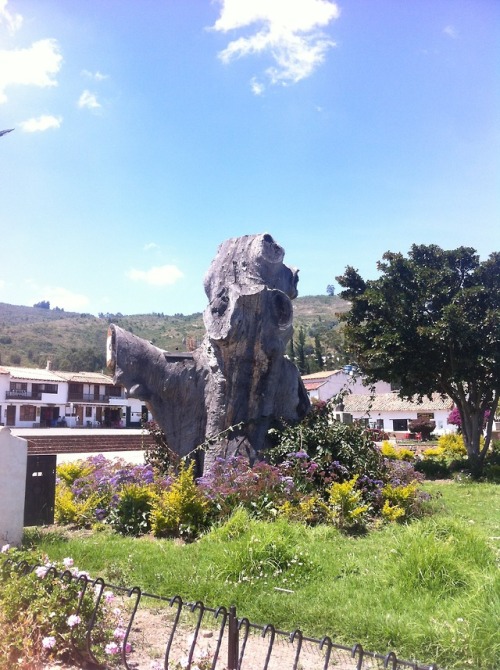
(29, 336)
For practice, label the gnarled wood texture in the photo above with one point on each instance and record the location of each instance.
(239, 376)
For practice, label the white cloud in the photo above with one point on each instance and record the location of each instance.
(12, 21)
(256, 86)
(451, 31)
(44, 122)
(88, 100)
(34, 66)
(150, 246)
(61, 297)
(97, 76)
(165, 275)
(288, 32)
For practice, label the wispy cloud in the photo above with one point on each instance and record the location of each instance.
(36, 65)
(44, 122)
(12, 21)
(165, 275)
(150, 246)
(88, 100)
(96, 76)
(451, 31)
(290, 33)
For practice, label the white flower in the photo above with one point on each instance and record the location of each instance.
(49, 642)
(73, 620)
(68, 562)
(5, 548)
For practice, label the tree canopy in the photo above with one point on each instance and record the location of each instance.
(431, 323)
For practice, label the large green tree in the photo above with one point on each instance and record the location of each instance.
(431, 323)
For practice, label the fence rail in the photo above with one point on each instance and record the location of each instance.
(190, 634)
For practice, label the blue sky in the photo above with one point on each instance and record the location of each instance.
(149, 131)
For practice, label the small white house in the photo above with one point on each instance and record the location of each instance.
(388, 412)
(325, 384)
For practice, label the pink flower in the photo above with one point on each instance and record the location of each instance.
(49, 642)
(119, 634)
(109, 596)
(112, 648)
(68, 562)
(41, 571)
(73, 620)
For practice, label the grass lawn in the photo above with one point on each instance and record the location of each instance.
(429, 591)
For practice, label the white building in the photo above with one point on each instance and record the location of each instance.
(388, 412)
(32, 398)
(325, 384)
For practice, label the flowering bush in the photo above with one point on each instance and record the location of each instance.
(180, 510)
(101, 490)
(45, 608)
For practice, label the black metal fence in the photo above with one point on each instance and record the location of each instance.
(164, 633)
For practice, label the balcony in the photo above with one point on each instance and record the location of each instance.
(88, 397)
(23, 395)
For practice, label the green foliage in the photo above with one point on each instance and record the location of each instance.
(340, 450)
(72, 470)
(131, 514)
(389, 450)
(452, 445)
(429, 323)
(401, 502)
(75, 341)
(346, 508)
(261, 552)
(42, 618)
(181, 510)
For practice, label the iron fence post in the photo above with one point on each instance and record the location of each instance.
(232, 640)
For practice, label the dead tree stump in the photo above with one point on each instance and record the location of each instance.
(239, 377)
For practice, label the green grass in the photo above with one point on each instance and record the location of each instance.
(429, 591)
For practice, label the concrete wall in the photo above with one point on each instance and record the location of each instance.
(13, 462)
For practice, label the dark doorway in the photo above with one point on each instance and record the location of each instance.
(40, 490)
(11, 415)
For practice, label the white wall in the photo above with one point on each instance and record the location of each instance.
(13, 463)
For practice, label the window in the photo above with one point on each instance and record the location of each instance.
(88, 412)
(27, 413)
(44, 388)
(425, 416)
(399, 424)
(18, 386)
(114, 391)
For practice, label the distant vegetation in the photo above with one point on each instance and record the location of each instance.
(30, 336)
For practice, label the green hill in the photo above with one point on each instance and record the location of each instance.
(29, 336)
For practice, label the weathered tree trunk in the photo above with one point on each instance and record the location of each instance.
(239, 376)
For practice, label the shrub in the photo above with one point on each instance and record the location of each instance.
(388, 450)
(346, 508)
(131, 514)
(261, 489)
(339, 450)
(181, 510)
(43, 616)
(88, 491)
(452, 445)
(422, 426)
(401, 502)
